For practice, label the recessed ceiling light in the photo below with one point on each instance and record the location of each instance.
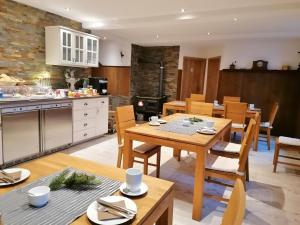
(157, 36)
(182, 10)
(235, 19)
(208, 33)
(186, 17)
(67, 9)
(104, 38)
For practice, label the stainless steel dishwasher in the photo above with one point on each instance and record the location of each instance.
(20, 132)
(57, 126)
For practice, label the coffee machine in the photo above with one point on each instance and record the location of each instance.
(100, 84)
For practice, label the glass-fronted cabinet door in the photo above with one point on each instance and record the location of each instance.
(66, 47)
(92, 51)
(79, 49)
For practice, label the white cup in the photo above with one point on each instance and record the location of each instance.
(216, 102)
(210, 124)
(133, 179)
(153, 119)
(38, 196)
(251, 106)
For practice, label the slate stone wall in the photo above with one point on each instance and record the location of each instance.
(145, 76)
(22, 42)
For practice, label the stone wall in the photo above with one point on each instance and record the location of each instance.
(22, 42)
(145, 76)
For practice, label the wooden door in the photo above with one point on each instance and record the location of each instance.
(213, 69)
(193, 74)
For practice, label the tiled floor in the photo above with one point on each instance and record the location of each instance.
(271, 198)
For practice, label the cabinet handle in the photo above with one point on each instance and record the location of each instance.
(85, 114)
(85, 103)
(103, 102)
(85, 134)
(85, 124)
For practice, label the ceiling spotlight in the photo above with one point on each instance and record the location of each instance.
(182, 10)
(235, 19)
(208, 33)
(104, 38)
(67, 9)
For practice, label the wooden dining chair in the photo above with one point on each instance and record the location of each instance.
(125, 119)
(231, 99)
(235, 211)
(268, 126)
(229, 168)
(236, 111)
(288, 144)
(199, 108)
(198, 97)
(233, 150)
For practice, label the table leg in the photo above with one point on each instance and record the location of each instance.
(256, 135)
(227, 134)
(167, 217)
(199, 185)
(164, 110)
(127, 152)
(177, 153)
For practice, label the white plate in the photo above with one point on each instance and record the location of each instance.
(207, 131)
(143, 190)
(161, 121)
(154, 123)
(24, 175)
(92, 213)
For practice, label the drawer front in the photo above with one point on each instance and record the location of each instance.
(84, 124)
(102, 102)
(84, 134)
(88, 103)
(84, 114)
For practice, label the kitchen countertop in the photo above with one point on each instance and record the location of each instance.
(22, 102)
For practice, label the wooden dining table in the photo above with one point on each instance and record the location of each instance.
(197, 143)
(218, 110)
(154, 207)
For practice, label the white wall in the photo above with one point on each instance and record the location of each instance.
(276, 52)
(109, 52)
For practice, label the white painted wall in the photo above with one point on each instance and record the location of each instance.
(276, 52)
(109, 52)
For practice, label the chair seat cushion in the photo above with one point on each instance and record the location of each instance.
(221, 163)
(265, 125)
(238, 125)
(144, 147)
(223, 146)
(289, 141)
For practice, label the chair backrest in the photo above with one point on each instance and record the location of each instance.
(200, 108)
(235, 211)
(124, 119)
(246, 145)
(231, 99)
(198, 97)
(273, 113)
(236, 111)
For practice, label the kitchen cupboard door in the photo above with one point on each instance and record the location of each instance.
(102, 117)
(91, 51)
(66, 47)
(79, 49)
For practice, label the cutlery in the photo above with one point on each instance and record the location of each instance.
(114, 212)
(6, 174)
(114, 206)
(7, 178)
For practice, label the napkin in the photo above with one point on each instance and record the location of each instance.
(110, 216)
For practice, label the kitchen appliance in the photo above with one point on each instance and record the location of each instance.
(20, 132)
(100, 84)
(56, 125)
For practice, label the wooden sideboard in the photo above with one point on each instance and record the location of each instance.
(263, 88)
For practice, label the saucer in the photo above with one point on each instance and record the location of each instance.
(154, 123)
(125, 191)
(161, 121)
(208, 131)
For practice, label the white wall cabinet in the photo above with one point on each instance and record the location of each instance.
(67, 47)
(90, 118)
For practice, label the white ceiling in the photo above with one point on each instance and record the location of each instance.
(140, 21)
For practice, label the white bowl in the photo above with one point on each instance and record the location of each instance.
(39, 196)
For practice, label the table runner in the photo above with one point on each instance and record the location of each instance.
(64, 205)
(176, 126)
